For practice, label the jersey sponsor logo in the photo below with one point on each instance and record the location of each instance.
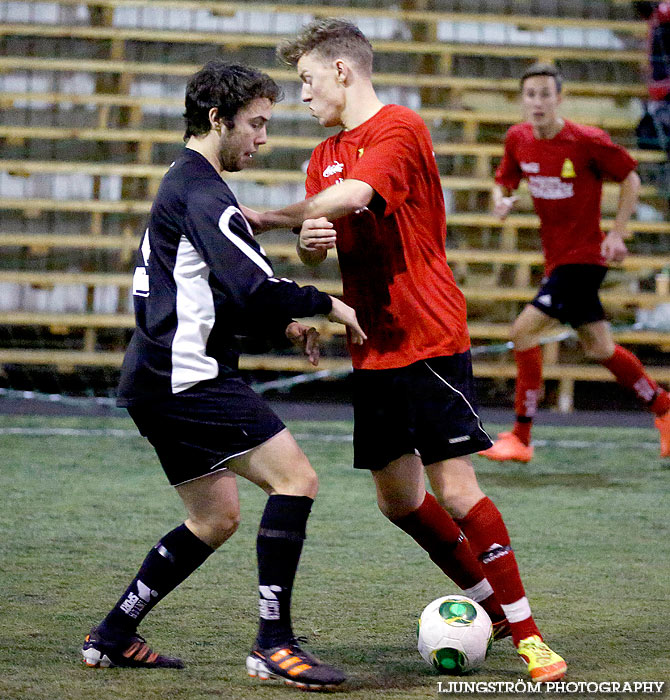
(361, 151)
(530, 167)
(568, 169)
(333, 169)
(545, 187)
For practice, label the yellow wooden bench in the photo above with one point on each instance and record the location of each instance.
(234, 41)
(472, 119)
(509, 86)
(566, 374)
(632, 27)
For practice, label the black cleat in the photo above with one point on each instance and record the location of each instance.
(294, 666)
(130, 652)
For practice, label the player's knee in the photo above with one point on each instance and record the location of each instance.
(597, 352)
(519, 337)
(215, 529)
(298, 481)
(396, 507)
(458, 499)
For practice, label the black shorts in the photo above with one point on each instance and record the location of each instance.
(570, 294)
(427, 408)
(197, 431)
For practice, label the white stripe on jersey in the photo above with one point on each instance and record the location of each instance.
(237, 241)
(195, 319)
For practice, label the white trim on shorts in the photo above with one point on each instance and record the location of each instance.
(474, 413)
(213, 469)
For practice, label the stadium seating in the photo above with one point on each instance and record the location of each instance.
(92, 98)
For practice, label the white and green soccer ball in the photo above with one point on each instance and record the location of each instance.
(454, 634)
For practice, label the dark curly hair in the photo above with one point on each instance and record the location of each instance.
(331, 38)
(227, 86)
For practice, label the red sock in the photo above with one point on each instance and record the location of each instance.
(630, 373)
(436, 532)
(490, 541)
(528, 385)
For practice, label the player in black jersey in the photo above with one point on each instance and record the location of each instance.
(201, 281)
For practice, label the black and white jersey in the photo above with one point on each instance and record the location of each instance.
(201, 280)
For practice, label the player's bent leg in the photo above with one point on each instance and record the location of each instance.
(527, 332)
(213, 510)
(400, 486)
(455, 485)
(213, 507)
(278, 466)
(283, 471)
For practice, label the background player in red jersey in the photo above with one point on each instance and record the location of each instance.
(377, 181)
(565, 165)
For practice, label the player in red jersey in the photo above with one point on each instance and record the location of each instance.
(373, 191)
(565, 165)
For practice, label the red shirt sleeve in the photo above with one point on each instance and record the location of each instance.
(312, 182)
(386, 165)
(609, 160)
(509, 171)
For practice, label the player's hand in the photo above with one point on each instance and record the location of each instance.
(341, 313)
(613, 248)
(317, 235)
(306, 338)
(504, 206)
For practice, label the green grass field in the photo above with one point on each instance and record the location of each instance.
(590, 526)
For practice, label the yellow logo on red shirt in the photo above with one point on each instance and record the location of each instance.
(360, 152)
(568, 169)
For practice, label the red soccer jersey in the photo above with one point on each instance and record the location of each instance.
(393, 263)
(565, 176)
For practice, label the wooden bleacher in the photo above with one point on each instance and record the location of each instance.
(120, 124)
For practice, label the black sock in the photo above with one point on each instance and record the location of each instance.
(278, 546)
(177, 555)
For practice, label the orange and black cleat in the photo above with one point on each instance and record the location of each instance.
(501, 629)
(294, 666)
(130, 652)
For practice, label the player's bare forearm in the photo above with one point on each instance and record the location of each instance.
(332, 203)
(628, 198)
(503, 201)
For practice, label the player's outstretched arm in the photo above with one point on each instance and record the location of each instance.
(338, 200)
(503, 201)
(341, 313)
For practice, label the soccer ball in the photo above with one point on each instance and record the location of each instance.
(454, 634)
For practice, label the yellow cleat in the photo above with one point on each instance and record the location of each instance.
(543, 663)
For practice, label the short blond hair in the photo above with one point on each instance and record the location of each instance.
(331, 38)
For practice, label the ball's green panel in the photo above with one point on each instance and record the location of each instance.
(449, 660)
(458, 612)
